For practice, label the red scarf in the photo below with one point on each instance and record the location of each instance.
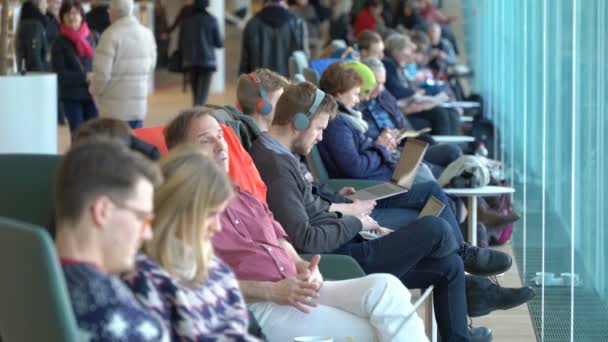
(79, 38)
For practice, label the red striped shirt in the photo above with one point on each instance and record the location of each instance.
(249, 243)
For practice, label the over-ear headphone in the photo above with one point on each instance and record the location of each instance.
(301, 121)
(263, 106)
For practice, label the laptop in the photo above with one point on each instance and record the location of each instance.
(403, 175)
(433, 207)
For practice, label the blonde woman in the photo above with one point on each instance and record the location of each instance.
(179, 277)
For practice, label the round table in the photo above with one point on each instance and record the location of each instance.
(471, 194)
(453, 139)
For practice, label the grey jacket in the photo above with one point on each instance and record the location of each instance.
(303, 214)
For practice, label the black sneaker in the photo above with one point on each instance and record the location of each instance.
(484, 296)
(480, 334)
(484, 261)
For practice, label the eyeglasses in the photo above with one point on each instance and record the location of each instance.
(145, 217)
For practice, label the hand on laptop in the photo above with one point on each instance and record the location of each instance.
(346, 191)
(357, 208)
(369, 223)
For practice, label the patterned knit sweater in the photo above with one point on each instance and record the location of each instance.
(212, 311)
(106, 310)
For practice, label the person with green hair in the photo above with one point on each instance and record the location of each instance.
(368, 80)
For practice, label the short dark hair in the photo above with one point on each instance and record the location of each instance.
(67, 6)
(95, 167)
(337, 79)
(297, 98)
(111, 128)
(247, 92)
(175, 132)
(366, 38)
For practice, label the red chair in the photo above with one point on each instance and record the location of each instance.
(242, 169)
(154, 136)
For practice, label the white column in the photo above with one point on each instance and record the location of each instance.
(28, 113)
(219, 78)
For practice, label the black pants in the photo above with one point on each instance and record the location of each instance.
(442, 121)
(422, 254)
(200, 81)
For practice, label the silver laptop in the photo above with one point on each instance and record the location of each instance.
(403, 175)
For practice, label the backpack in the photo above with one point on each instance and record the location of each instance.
(484, 131)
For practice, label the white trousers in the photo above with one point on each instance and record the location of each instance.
(376, 307)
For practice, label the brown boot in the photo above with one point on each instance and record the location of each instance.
(493, 218)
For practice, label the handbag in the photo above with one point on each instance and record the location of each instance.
(175, 62)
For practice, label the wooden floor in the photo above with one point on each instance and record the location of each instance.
(168, 100)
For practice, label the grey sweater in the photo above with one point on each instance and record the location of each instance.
(304, 215)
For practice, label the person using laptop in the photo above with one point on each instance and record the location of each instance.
(301, 116)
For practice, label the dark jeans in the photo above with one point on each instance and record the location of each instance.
(422, 254)
(413, 201)
(442, 121)
(78, 111)
(200, 81)
(135, 124)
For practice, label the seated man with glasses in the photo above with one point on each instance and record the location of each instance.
(103, 195)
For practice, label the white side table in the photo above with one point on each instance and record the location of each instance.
(453, 139)
(471, 194)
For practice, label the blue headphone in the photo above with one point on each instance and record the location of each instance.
(263, 106)
(302, 120)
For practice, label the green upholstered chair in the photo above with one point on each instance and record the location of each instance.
(337, 267)
(26, 187)
(318, 170)
(35, 302)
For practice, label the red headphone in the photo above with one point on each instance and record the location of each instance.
(263, 106)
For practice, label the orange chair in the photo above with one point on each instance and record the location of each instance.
(154, 136)
(242, 169)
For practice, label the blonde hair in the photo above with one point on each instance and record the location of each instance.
(194, 185)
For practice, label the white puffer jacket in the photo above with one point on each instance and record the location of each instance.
(123, 68)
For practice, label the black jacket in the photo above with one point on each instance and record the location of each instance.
(31, 43)
(98, 18)
(71, 69)
(199, 35)
(52, 29)
(304, 215)
(269, 39)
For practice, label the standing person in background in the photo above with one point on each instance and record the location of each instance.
(53, 20)
(72, 60)
(32, 46)
(339, 23)
(270, 37)
(98, 17)
(370, 18)
(52, 32)
(199, 35)
(124, 66)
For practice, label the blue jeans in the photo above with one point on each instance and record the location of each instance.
(135, 124)
(422, 254)
(78, 111)
(414, 200)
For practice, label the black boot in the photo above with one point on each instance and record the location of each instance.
(484, 261)
(484, 296)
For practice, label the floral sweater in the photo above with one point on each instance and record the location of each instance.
(106, 310)
(212, 311)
